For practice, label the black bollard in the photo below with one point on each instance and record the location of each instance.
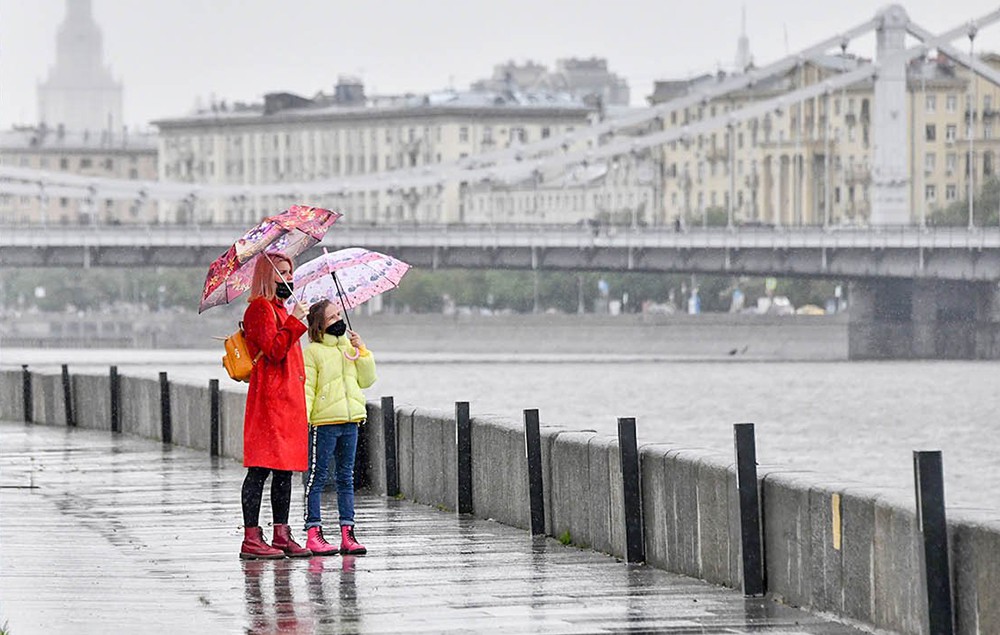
(116, 420)
(166, 424)
(464, 428)
(536, 492)
(27, 403)
(749, 509)
(67, 387)
(928, 474)
(635, 550)
(215, 430)
(389, 434)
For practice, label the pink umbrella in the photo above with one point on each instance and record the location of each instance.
(349, 276)
(290, 232)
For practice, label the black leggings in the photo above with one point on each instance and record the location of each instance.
(253, 490)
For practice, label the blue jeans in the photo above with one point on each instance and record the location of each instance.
(338, 441)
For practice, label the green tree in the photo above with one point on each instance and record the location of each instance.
(986, 207)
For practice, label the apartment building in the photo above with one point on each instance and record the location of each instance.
(129, 156)
(774, 169)
(345, 134)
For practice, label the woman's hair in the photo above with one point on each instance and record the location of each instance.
(262, 284)
(315, 319)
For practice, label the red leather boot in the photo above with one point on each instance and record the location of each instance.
(283, 540)
(317, 544)
(254, 547)
(348, 544)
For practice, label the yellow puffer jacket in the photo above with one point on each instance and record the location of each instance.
(334, 383)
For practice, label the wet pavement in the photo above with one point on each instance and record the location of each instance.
(102, 534)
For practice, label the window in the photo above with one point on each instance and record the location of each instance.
(987, 163)
(487, 134)
(930, 193)
(951, 163)
(951, 132)
(950, 192)
(930, 103)
(930, 162)
(930, 132)
(86, 163)
(836, 107)
(546, 132)
(463, 134)
(951, 103)
(987, 103)
(987, 131)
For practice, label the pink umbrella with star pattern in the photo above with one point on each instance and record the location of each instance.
(348, 276)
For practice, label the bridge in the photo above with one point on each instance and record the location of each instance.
(855, 253)
(915, 292)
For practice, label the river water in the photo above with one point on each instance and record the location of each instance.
(848, 420)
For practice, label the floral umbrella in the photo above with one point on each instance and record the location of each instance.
(291, 232)
(349, 276)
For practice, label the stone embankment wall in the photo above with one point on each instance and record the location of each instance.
(829, 545)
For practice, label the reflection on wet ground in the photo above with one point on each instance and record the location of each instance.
(117, 534)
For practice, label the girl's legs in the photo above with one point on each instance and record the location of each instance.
(253, 490)
(322, 443)
(346, 446)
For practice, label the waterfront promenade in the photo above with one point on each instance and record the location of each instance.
(108, 533)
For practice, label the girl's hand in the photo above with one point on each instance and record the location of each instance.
(299, 312)
(356, 340)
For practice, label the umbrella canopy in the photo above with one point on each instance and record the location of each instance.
(360, 273)
(291, 232)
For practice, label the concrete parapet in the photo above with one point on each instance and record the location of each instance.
(374, 434)
(140, 407)
(192, 415)
(11, 395)
(975, 549)
(92, 401)
(232, 408)
(47, 398)
(569, 486)
(499, 471)
(427, 440)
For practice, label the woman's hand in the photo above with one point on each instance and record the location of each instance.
(356, 340)
(299, 312)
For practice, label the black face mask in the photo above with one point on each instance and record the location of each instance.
(338, 328)
(284, 291)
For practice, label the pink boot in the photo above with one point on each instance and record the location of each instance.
(317, 544)
(283, 540)
(348, 545)
(254, 547)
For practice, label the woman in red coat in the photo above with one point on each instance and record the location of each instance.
(275, 430)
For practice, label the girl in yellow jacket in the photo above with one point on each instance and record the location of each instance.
(337, 366)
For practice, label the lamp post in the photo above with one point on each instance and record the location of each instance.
(973, 96)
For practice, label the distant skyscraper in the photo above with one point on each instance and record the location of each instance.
(80, 93)
(743, 57)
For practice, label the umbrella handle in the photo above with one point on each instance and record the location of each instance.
(284, 282)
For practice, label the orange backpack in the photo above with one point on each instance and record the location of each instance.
(237, 359)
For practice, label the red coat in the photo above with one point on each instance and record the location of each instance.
(275, 428)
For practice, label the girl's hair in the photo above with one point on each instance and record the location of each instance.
(262, 284)
(315, 319)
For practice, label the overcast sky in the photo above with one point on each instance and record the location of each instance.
(169, 53)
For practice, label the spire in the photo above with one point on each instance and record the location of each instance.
(743, 58)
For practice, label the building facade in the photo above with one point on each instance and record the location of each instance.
(291, 139)
(775, 170)
(131, 157)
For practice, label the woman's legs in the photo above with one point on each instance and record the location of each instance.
(253, 490)
(281, 496)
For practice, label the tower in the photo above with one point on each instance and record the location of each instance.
(80, 92)
(743, 58)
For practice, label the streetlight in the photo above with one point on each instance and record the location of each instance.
(973, 97)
